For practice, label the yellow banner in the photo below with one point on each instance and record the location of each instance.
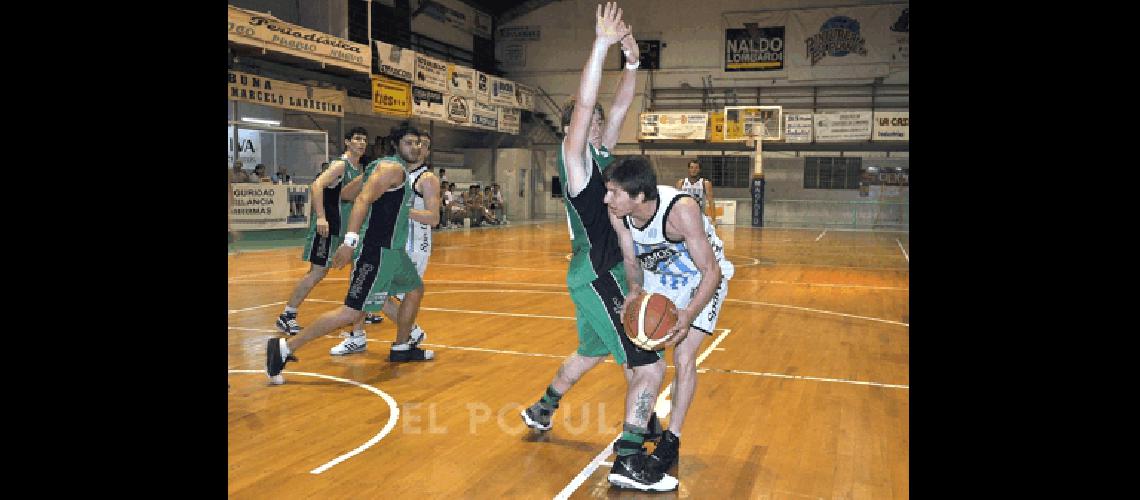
(255, 29)
(391, 97)
(245, 87)
(716, 126)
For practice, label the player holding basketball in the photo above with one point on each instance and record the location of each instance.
(333, 192)
(425, 185)
(596, 277)
(663, 232)
(699, 188)
(381, 266)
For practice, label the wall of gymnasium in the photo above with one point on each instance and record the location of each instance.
(692, 50)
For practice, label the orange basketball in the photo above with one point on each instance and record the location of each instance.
(648, 319)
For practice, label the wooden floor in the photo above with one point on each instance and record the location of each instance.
(804, 395)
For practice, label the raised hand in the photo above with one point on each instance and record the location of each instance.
(629, 46)
(610, 27)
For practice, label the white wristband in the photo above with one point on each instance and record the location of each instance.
(633, 65)
(351, 239)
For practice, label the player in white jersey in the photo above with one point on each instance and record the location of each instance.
(700, 189)
(669, 247)
(425, 185)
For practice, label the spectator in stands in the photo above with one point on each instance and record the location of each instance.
(455, 207)
(238, 175)
(497, 202)
(473, 200)
(489, 206)
(444, 198)
(443, 175)
(282, 176)
(259, 174)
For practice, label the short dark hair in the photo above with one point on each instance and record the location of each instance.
(694, 160)
(355, 130)
(568, 112)
(635, 175)
(424, 133)
(399, 131)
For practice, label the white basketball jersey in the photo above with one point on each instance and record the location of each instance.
(668, 264)
(696, 190)
(419, 235)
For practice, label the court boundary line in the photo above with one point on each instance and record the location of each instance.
(393, 415)
(903, 250)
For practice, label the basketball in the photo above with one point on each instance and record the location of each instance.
(648, 319)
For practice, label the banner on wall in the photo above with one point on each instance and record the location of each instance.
(892, 126)
(797, 128)
(245, 87)
(849, 126)
(483, 87)
(256, 29)
(822, 43)
(673, 126)
(512, 54)
(520, 33)
(503, 92)
(716, 127)
(754, 48)
(456, 15)
(395, 61)
(391, 97)
(459, 110)
(460, 80)
(248, 146)
(431, 73)
(509, 119)
(485, 116)
(851, 42)
(428, 103)
(269, 206)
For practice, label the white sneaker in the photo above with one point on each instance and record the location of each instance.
(350, 345)
(418, 335)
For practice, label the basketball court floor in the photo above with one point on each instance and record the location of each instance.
(803, 391)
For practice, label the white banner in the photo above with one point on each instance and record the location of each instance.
(485, 116)
(848, 126)
(509, 119)
(269, 206)
(503, 92)
(428, 103)
(459, 110)
(846, 42)
(892, 126)
(797, 127)
(249, 147)
(431, 73)
(483, 87)
(395, 61)
(262, 30)
(460, 81)
(823, 43)
(675, 126)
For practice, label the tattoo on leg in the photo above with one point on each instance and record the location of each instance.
(644, 404)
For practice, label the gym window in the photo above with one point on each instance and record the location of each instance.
(725, 171)
(832, 172)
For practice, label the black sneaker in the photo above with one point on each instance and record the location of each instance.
(413, 354)
(665, 455)
(287, 322)
(633, 472)
(273, 362)
(373, 319)
(537, 417)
